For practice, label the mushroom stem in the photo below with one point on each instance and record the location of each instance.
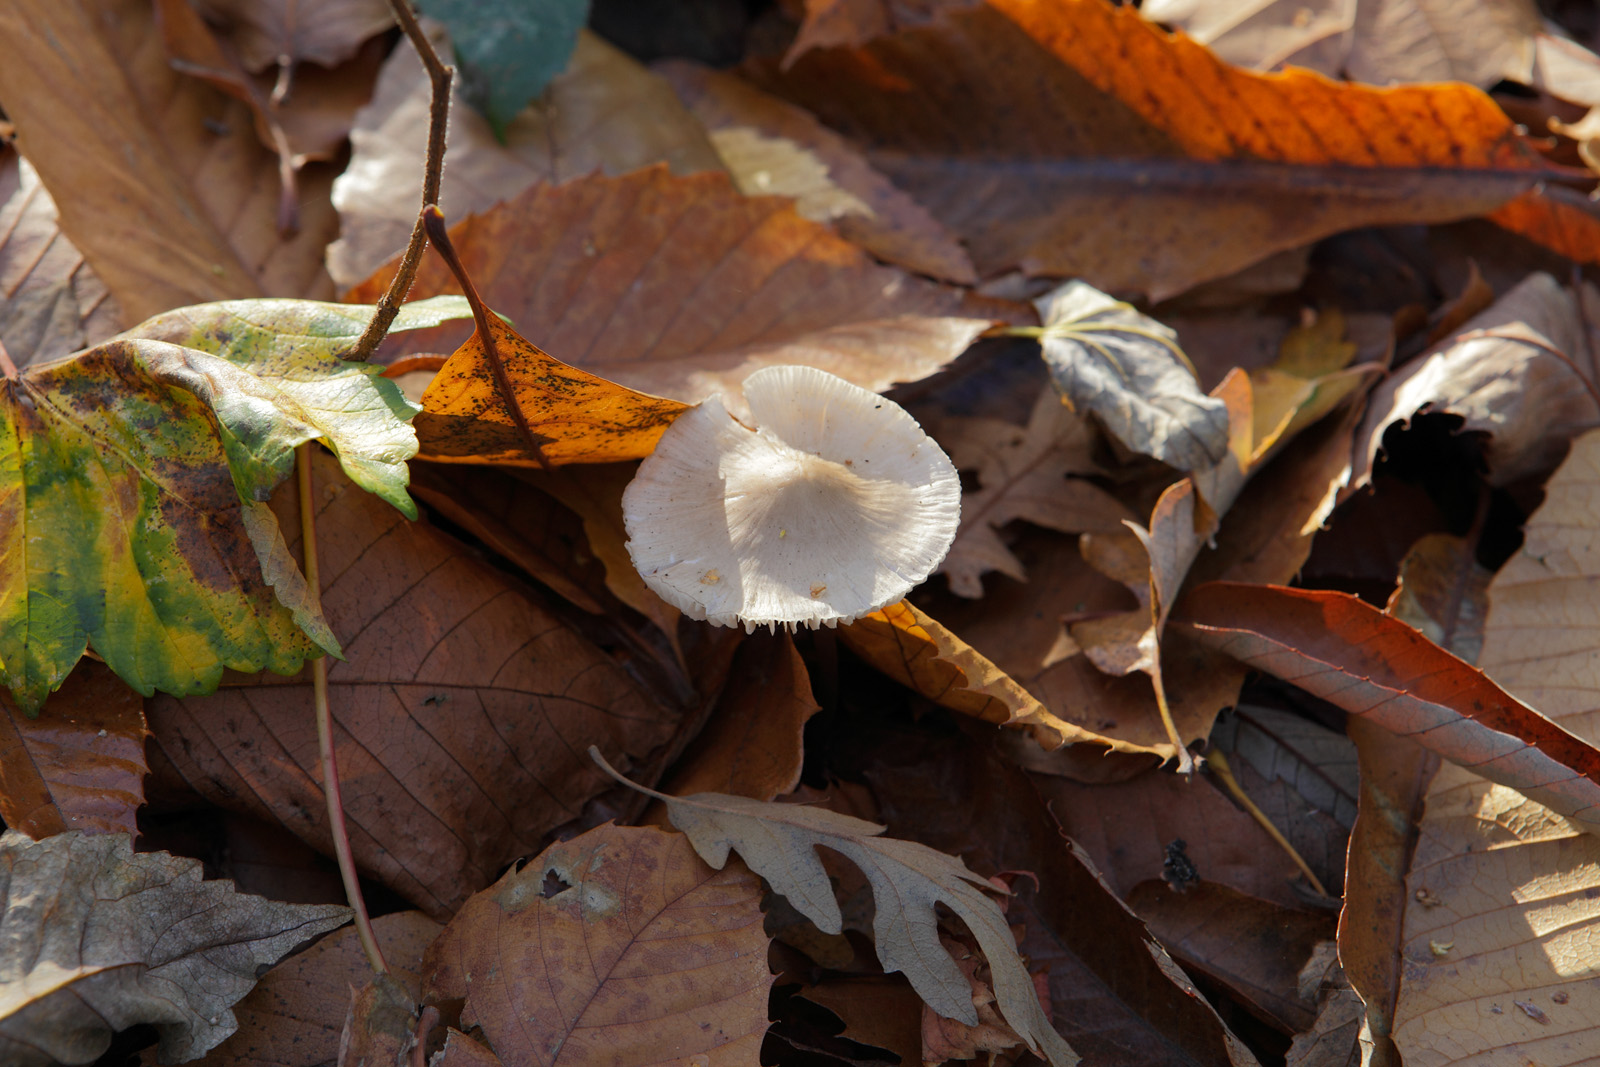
(433, 220)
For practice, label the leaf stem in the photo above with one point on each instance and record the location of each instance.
(433, 171)
(319, 691)
(433, 220)
(1218, 763)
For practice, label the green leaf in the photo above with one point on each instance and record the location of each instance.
(508, 50)
(132, 477)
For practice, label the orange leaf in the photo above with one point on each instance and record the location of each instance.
(1344, 650)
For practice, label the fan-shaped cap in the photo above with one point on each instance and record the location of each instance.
(834, 506)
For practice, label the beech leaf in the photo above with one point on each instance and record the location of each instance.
(779, 842)
(100, 938)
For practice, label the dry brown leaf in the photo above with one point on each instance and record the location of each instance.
(1500, 375)
(1500, 910)
(605, 112)
(572, 416)
(459, 715)
(166, 209)
(878, 1010)
(680, 287)
(270, 33)
(946, 1039)
(875, 214)
(920, 653)
(461, 1051)
(380, 1025)
(79, 765)
(1023, 473)
(675, 960)
(1113, 102)
(1319, 764)
(292, 1018)
(51, 303)
(1251, 946)
(100, 938)
(1443, 592)
(752, 747)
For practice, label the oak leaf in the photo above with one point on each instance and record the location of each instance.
(617, 947)
(101, 938)
(779, 843)
(135, 474)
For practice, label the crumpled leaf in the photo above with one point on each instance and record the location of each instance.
(1499, 374)
(1342, 649)
(52, 303)
(779, 843)
(605, 112)
(947, 1039)
(1127, 369)
(460, 714)
(681, 287)
(81, 764)
(1499, 901)
(617, 947)
(1023, 473)
(135, 473)
(168, 208)
(100, 938)
(508, 50)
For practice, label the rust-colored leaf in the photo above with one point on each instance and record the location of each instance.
(1338, 647)
(680, 287)
(673, 957)
(166, 209)
(1053, 109)
(458, 714)
(575, 416)
(79, 765)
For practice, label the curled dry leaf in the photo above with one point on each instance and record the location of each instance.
(779, 842)
(1336, 646)
(1503, 881)
(674, 957)
(101, 938)
(79, 765)
(1023, 473)
(459, 714)
(1126, 368)
(1518, 372)
(849, 192)
(605, 113)
(51, 303)
(1232, 166)
(681, 287)
(157, 552)
(166, 210)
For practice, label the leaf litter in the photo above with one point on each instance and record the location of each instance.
(1021, 221)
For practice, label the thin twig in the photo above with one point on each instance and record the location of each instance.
(319, 690)
(433, 170)
(1218, 764)
(433, 219)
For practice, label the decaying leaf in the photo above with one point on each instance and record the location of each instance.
(1127, 369)
(51, 303)
(605, 113)
(1503, 881)
(135, 474)
(681, 287)
(1341, 649)
(460, 712)
(674, 960)
(1023, 473)
(268, 33)
(79, 765)
(100, 938)
(779, 842)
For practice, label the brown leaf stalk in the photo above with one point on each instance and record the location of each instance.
(433, 220)
(1217, 763)
(319, 690)
(433, 170)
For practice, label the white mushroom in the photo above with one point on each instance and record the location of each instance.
(834, 506)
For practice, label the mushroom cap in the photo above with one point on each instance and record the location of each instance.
(834, 506)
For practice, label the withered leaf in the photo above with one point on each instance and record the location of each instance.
(101, 938)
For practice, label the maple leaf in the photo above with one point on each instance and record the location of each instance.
(1024, 474)
(132, 477)
(779, 842)
(100, 938)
